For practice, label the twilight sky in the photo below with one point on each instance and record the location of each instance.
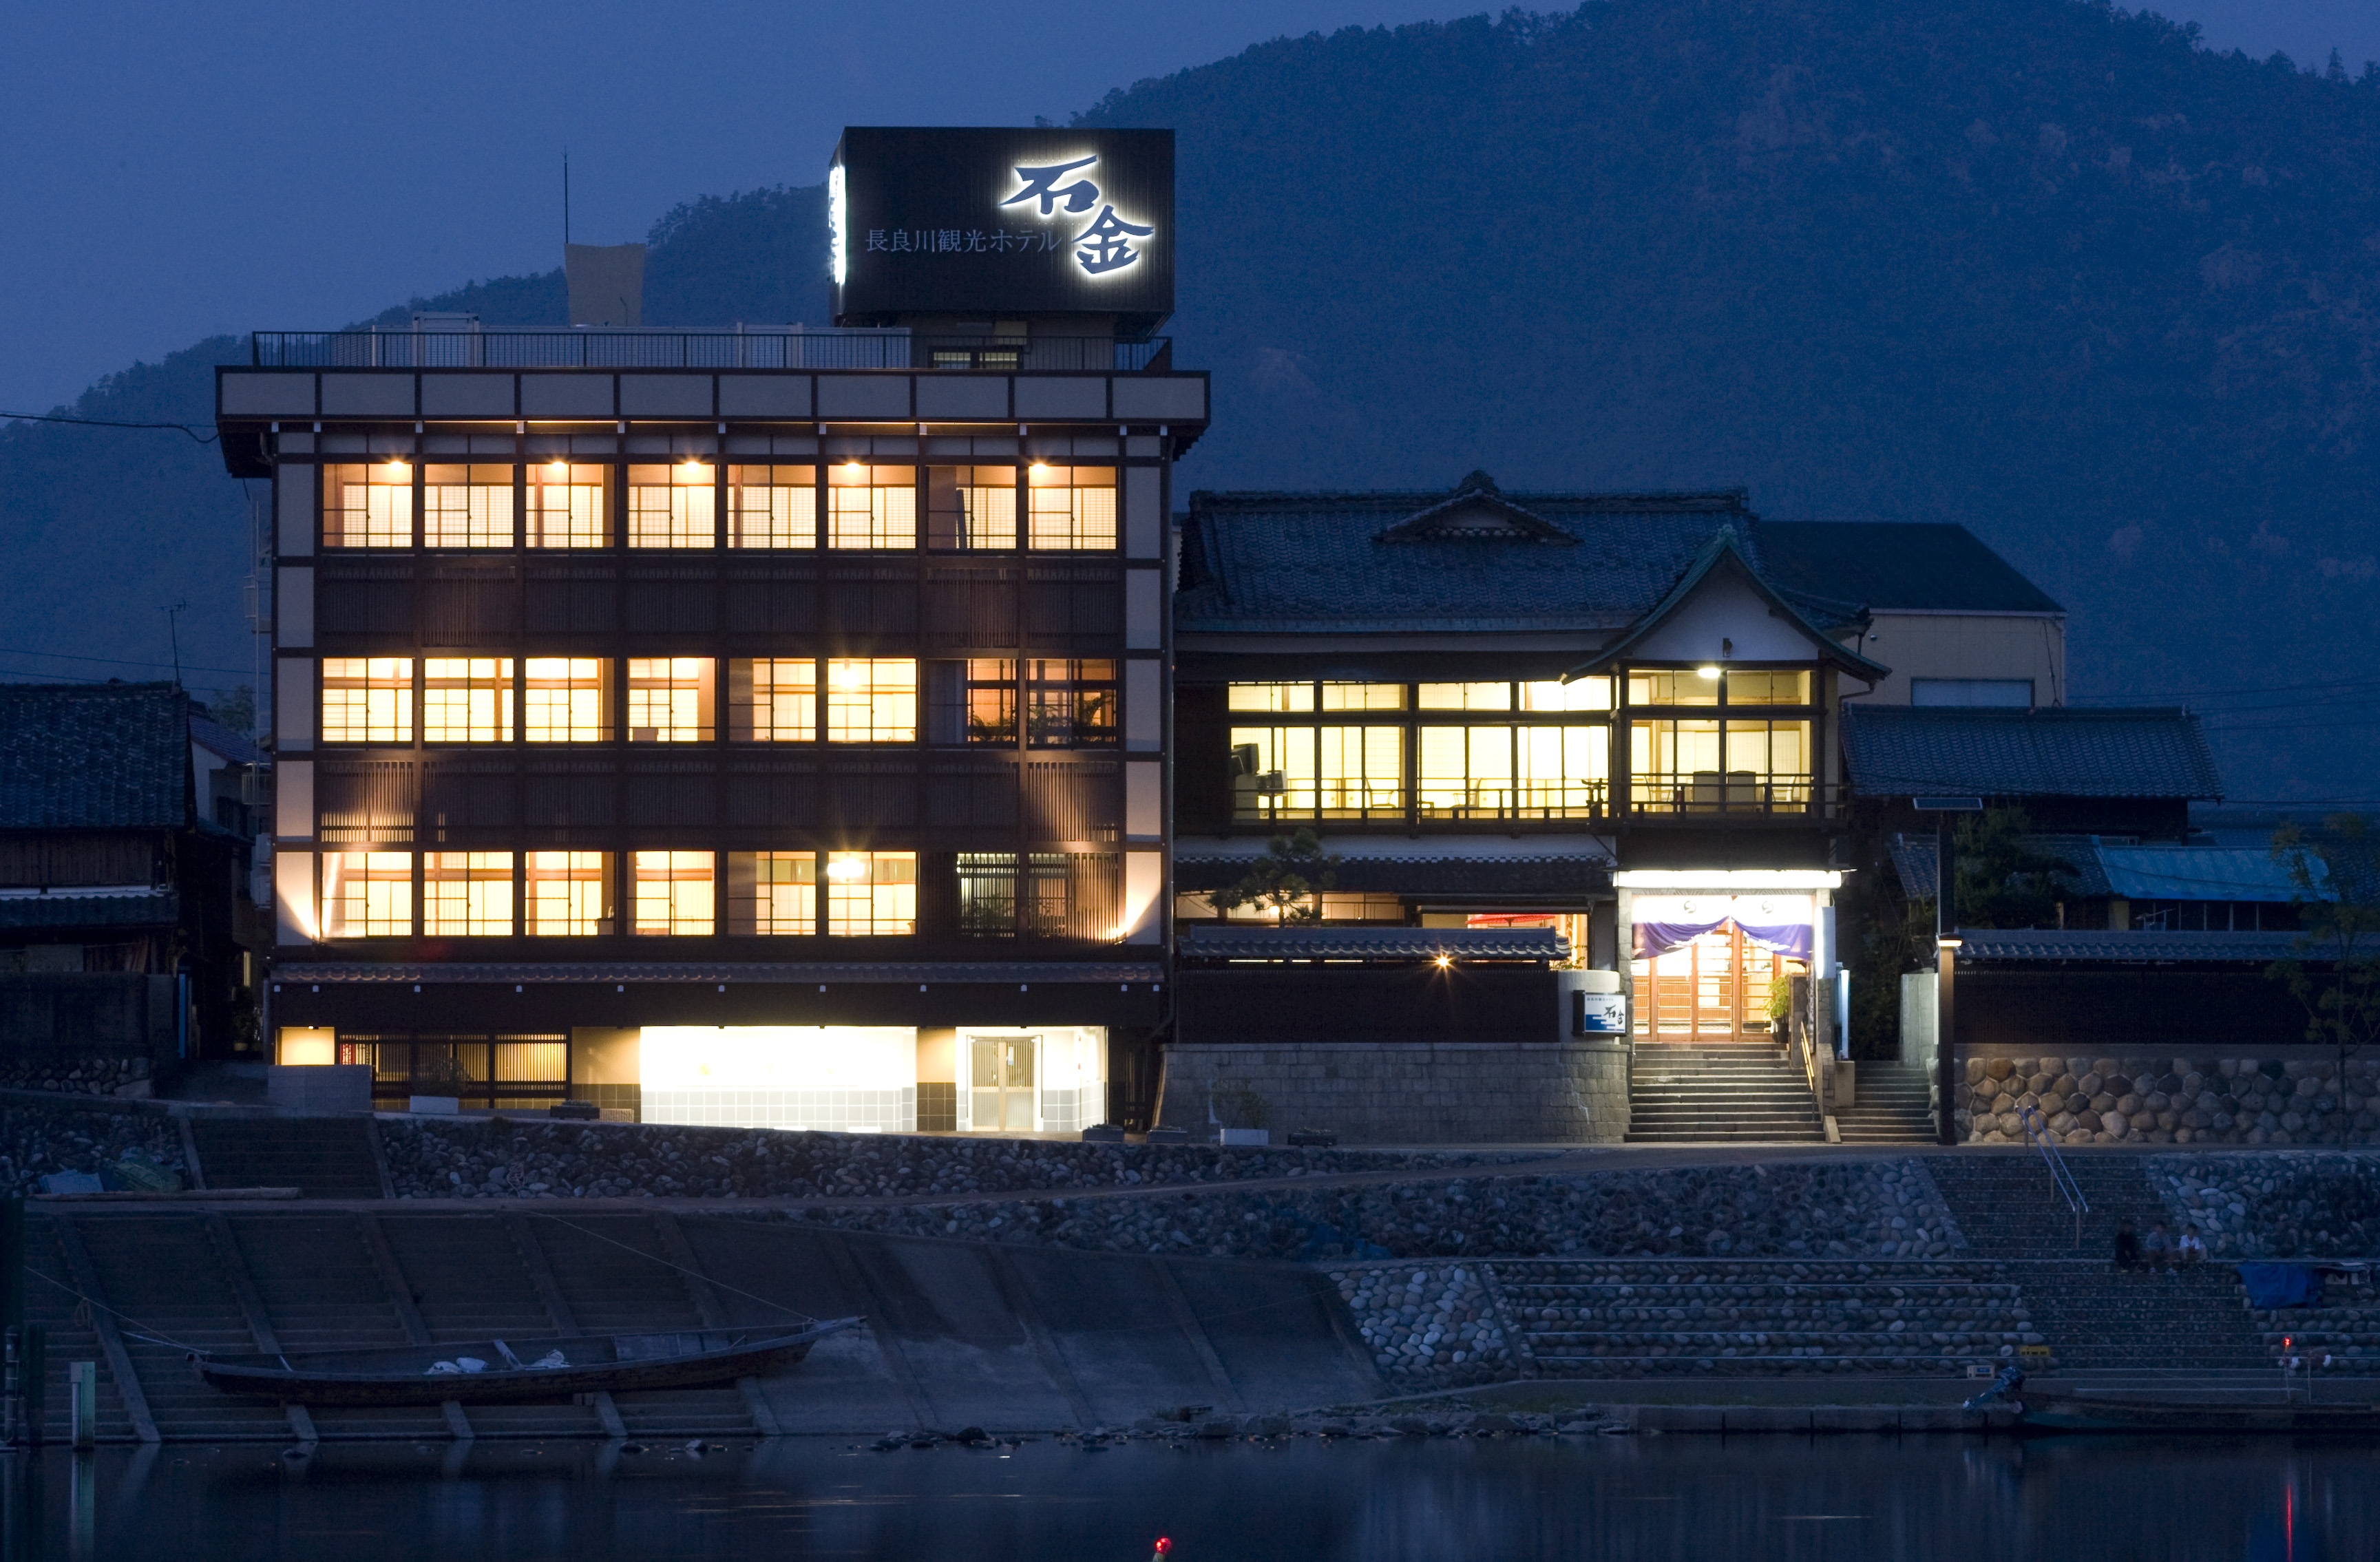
(171, 171)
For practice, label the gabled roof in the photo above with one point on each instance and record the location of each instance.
(1408, 562)
(1476, 512)
(1905, 751)
(94, 756)
(1898, 566)
(1726, 549)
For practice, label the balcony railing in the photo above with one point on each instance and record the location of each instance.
(1266, 796)
(1728, 791)
(742, 347)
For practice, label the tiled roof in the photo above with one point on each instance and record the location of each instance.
(1729, 549)
(1902, 751)
(93, 757)
(1318, 561)
(1898, 565)
(1323, 940)
(220, 740)
(2128, 948)
(827, 972)
(161, 908)
(1423, 876)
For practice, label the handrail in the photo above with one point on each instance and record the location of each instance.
(846, 347)
(2061, 1176)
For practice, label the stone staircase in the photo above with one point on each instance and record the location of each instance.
(322, 1158)
(1891, 1108)
(2092, 1315)
(1667, 1317)
(1678, 1094)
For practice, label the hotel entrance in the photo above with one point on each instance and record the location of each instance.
(999, 1082)
(1715, 967)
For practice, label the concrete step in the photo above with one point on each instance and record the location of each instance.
(323, 1157)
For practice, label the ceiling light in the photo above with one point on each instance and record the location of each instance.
(558, 467)
(846, 868)
(1708, 670)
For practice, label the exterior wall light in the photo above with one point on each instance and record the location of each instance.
(558, 467)
(1948, 941)
(1445, 960)
(1708, 671)
(395, 463)
(845, 869)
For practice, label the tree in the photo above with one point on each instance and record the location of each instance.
(2003, 881)
(1287, 880)
(2341, 923)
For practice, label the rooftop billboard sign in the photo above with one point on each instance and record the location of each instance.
(1002, 222)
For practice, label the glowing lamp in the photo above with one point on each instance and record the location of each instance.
(1444, 960)
(395, 465)
(854, 466)
(1707, 672)
(846, 868)
(558, 467)
(1948, 941)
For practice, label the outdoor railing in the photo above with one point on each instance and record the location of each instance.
(2061, 1176)
(1717, 791)
(743, 347)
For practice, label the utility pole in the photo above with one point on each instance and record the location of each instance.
(1946, 959)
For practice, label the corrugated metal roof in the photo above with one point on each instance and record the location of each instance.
(1322, 940)
(2128, 948)
(2198, 873)
(1909, 566)
(1902, 751)
(93, 757)
(827, 972)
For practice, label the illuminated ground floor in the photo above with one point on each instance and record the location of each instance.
(983, 1054)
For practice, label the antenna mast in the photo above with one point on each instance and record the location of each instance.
(565, 198)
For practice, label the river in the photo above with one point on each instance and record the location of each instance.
(1612, 1499)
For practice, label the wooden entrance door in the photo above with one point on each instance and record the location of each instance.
(1715, 989)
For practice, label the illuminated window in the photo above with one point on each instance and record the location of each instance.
(467, 506)
(532, 1062)
(1359, 771)
(990, 700)
(1714, 767)
(674, 506)
(1579, 694)
(1465, 772)
(569, 894)
(871, 895)
(1672, 687)
(773, 700)
(772, 507)
(1070, 703)
(670, 698)
(1464, 697)
(972, 507)
(675, 894)
(367, 894)
(1272, 773)
(367, 505)
(1363, 696)
(566, 506)
(1767, 687)
(872, 506)
(1565, 772)
(1072, 507)
(466, 700)
(772, 894)
(565, 700)
(1038, 894)
(871, 700)
(1280, 698)
(367, 699)
(466, 894)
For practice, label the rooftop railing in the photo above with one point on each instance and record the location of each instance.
(742, 348)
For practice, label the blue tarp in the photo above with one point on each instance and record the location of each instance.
(2282, 1285)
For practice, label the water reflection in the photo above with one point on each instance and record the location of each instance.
(1615, 1499)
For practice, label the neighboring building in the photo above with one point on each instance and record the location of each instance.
(126, 821)
(747, 727)
(1957, 623)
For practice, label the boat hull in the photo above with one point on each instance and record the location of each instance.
(616, 1364)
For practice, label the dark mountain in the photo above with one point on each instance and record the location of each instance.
(2037, 266)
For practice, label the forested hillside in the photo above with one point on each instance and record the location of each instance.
(2031, 265)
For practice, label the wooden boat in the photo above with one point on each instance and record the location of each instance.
(496, 1371)
(2137, 1415)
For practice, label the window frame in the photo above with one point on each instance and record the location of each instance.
(1727, 789)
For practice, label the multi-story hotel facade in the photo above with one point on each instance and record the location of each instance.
(751, 727)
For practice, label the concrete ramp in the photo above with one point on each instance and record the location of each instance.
(959, 1333)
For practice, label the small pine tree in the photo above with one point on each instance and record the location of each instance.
(1287, 881)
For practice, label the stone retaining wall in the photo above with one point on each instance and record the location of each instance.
(1404, 1093)
(506, 1158)
(1821, 1209)
(2173, 1101)
(123, 1077)
(1437, 1323)
(38, 1138)
(2294, 1205)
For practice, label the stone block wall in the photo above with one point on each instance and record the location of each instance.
(2173, 1100)
(2289, 1205)
(1432, 1325)
(1401, 1093)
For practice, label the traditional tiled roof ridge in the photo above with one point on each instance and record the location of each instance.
(1650, 500)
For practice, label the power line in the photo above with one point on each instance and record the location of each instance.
(111, 661)
(189, 428)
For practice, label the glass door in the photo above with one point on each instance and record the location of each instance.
(1000, 1081)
